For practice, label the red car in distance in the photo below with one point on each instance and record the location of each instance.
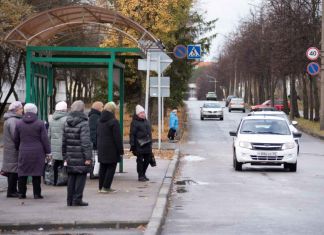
(278, 105)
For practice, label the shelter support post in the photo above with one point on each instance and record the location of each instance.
(121, 112)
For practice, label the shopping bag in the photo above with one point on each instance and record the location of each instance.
(49, 174)
(96, 166)
(62, 176)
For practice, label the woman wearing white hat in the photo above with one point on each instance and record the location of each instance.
(141, 141)
(55, 134)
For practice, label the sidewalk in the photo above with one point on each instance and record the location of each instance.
(130, 207)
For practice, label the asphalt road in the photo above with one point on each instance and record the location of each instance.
(209, 197)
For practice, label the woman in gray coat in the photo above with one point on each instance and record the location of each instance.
(55, 134)
(10, 154)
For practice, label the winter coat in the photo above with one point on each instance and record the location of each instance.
(32, 142)
(140, 129)
(10, 154)
(109, 141)
(55, 133)
(174, 122)
(94, 116)
(76, 146)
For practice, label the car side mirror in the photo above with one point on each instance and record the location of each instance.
(294, 123)
(297, 134)
(233, 133)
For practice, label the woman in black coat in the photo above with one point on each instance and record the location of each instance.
(110, 147)
(77, 154)
(140, 138)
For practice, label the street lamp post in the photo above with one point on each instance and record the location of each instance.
(322, 75)
(215, 81)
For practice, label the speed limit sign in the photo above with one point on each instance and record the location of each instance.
(312, 53)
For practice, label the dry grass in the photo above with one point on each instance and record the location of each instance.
(310, 126)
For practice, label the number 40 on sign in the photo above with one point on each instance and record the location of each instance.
(312, 53)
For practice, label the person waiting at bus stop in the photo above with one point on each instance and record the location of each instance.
(10, 154)
(77, 154)
(33, 145)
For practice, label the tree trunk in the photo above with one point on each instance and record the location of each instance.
(285, 98)
(305, 97)
(316, 100)
(13, 83)
(311, 99)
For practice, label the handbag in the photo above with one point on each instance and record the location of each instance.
(62, 176)
(144, 141)
(49, 174)
(152, 160)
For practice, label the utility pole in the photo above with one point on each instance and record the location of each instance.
(322, 75)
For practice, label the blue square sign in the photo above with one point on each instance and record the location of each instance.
(194, 51)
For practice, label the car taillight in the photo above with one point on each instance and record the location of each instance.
(242, 103)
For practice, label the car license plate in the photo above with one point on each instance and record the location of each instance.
(267, 154)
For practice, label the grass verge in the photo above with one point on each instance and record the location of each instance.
(310, 127)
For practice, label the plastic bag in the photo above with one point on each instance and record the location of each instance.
(96, 166)
(49, 174)
(62, 176)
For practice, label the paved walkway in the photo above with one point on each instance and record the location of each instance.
(130, 206)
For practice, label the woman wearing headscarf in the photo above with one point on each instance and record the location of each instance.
(141, 141)
(10, 154)
(55, 134)
(77, 153)
(110, 147)
(33, 145)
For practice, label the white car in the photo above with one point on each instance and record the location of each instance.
(278, 114)
(236, 104)
(264, 140)
(211, 110)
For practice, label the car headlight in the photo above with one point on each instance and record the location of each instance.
(289, 145)
(246, 145)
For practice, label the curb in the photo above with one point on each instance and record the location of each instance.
(75, 225)
(158, 216)
(310, 133)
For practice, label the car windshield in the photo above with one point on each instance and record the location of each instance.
(265, 126)
(236, 100)
(211, 105)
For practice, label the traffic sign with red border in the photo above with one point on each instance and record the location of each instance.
(312, 53)
(313, 68)
(180, 51)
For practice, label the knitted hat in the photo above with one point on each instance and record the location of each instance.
(110, 106)
(139, 109)
(14, 106)
(61, 106)
(30, 108)
(77, 106)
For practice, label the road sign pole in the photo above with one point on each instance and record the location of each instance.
(147, 84)
(162, 114)
(159, 102)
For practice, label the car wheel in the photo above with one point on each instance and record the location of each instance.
(243, 110)
(229, 110)
(222, 118)
(201, 118)
(292, 167)
(236, 165)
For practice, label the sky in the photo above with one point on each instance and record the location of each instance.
(229, 14)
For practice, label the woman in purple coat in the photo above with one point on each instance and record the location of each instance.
(33, 145)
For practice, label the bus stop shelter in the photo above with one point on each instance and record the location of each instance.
(51, 40)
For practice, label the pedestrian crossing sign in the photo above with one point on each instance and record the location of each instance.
(194, 51)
